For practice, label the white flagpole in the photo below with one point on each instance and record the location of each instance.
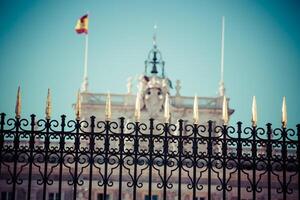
(84, 86)
(222, 50)
(222, 87)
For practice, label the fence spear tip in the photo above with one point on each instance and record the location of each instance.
(48, 105)
(18, 103)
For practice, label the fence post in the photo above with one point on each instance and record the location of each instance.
(165, 159)
(269, 158)
(254, 157)
(224, 163)
(61, 153)
(106, 159)
(135, 159)
(209, 162)
(76, 157)
(284, 159)
(239, 156)
(298, 157)
(46, 158)
(121, 150)
(2, 119)
(180, 151)
(31, 158)
(151, 149)
(91, 159)
(15, 156)
(195, 153)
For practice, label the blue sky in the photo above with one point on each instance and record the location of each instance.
(39, 49)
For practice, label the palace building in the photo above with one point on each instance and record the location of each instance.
(153, 86)
(122, 146)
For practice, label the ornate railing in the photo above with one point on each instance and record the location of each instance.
(141, 160)
(129, 99)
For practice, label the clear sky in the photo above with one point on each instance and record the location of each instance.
(39, 49)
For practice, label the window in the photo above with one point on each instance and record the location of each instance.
(53, 196)
(100, 196)
(154, 197)
(6, 195)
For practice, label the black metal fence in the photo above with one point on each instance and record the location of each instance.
(118, 160)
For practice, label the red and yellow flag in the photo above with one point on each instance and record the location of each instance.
(82, 25)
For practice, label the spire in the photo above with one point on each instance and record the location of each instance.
(284, 113)
(48, 105)
(155, 57)
(78, 106)
(154, 36)
(129, 85)
(254, 112)
(137, 113)
(18, 103)
(221, 84)
(225, 111)
(154, 62)
(167, 109)
(196, 111)
(108, 107)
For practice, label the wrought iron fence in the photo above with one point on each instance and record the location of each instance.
(42, 159)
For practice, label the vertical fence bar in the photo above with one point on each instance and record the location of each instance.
(15, 157)
(2, 119)
(135, 160)
(151, 150)
(284, 159)
(180, 151)
(91, 160)
(76, 158)
(209, 162)
(31, 158)
(106, 159)
(121, 150)
(165, 160)
(195, 153)
(2, 123)
(61, 153)
(224, 165)
(239, 156)
(298, 157)
(254, 157)
(269, 159)
(46, 159)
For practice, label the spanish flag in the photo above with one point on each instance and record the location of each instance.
(82, 25)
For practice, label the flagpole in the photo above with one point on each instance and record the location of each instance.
(84, 86)
(222, 50)
(222, 87)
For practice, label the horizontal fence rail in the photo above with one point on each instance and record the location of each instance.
(89, 159)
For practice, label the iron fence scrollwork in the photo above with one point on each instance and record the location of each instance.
(140, 160)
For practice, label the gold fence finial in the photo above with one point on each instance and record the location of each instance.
(137, 113)
(108, 107)
(225, 111)
(18, 103)
(196, 110)
(167, 109)
(284, 113)
(254, 112)
(78, 106)
(48, 105)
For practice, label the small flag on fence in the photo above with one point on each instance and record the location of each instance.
(82, 25)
